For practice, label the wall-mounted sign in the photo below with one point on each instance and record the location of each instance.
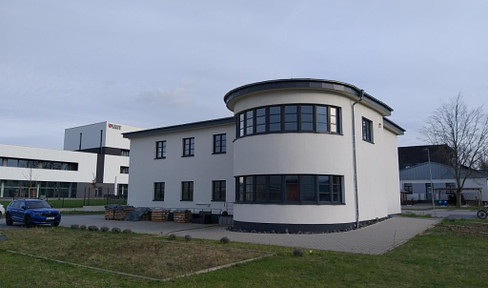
(113, 126)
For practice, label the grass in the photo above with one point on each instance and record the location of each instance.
(77, 202)
(452, 254)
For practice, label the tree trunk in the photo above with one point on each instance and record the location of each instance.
(459, 193)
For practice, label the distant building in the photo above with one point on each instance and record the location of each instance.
(291, 159)
(415, 172)
(95, 162)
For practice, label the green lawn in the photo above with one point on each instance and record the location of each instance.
(452, 254)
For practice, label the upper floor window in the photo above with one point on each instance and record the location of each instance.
(289, 118)
(187, 191)
(218, 190)
(158, 191)
(188, 147)
(367, 130)
(220, 144)
(124, 152)
(124, 170)
(160, 149)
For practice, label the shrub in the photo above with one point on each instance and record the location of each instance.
(188, 237)
(104, 229)
(92, 228)
(116, 230)
(172, 237)
(224, 240)
(82, 227)
(298, 252)
(127, 231)
(74, 226)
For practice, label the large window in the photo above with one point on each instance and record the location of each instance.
(187, 191)
(160, 149)
(367, 130)
(39, 164)
(304, 118)
(188, 147)
(124, 169)
(220, 144)
(290, 189)
(218, 190)
(158, 191)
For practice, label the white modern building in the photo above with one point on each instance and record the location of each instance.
(94, 163)
(298, 155)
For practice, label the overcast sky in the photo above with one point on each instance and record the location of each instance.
(158, 63)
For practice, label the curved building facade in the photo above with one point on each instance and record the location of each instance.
(301, 165)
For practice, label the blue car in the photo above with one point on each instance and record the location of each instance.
(32, 212)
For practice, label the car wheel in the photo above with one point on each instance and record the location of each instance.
(481, 214)
(27, 221)
(8, 220)
(56, 224)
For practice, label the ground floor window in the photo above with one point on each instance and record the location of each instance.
(35, 189)
(187, 191)
(218, 190)
(158, 191)
(290, 189)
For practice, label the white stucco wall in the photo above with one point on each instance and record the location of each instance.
(202, 168)
(111, 169)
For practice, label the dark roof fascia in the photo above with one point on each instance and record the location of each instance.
(305, 83)
(181, 127)
(393, 127)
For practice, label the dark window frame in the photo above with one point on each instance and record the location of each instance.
(188, 147)
(187, 190)
(160, 149)
(219, 190)
(124, 169)
(367, 130)
(220, 143)
(158, 194)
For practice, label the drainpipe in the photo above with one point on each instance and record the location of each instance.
(356, 194)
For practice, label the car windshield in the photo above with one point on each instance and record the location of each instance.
(37, 204)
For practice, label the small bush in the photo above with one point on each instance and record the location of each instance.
(188, 237)
(74, 226)
(127, 231)
(82, 227)
(116, 230)
(224, 240)
(104, 229)
(92, 228)
(172, 237)
(298, 252)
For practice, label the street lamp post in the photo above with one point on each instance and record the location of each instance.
(431, 184)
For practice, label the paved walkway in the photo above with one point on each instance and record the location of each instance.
(374, 239)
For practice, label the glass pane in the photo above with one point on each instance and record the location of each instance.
(321, 121)
(275, 119)
(292, 188)
(333, 120)
(275, 194)
(307, 188)
(324, 188)
(261, 188)
(249, 189)
(250, 122)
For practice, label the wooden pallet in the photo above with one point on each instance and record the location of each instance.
(182, 216)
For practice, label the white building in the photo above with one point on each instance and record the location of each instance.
(98, 154)
(298, 155)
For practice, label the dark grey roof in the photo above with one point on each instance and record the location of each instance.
(188, 126)
(305, 83)
(414, 155)
(439, 171)
(393, 126)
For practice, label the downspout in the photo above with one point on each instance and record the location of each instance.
(356, 194)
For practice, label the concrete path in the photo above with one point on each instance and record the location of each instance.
(374, 239)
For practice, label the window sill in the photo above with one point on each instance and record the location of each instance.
(157, 158)
(186, 156)
(156, 200)
(186, 200)
(218, 200)
(217, 153)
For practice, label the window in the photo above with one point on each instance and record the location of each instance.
(290, 189)
(219, 144)
(407, 187)
(218, 190)
(367, 130)
(158, 191)
(160, 149)
(289, 118)
(188, 147)
(187, 191)
(124, 152)
(124, 170)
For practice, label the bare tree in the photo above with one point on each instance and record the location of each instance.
(465, 132)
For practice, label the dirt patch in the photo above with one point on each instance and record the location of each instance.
(476, 229)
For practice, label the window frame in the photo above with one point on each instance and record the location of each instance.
(219, 190)
(189, 143)
(367, 130)
(221, 140)
(158, 191)
(160, 152)
(187, 191)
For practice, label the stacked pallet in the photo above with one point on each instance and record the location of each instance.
(109, 214)
(159, 215)
(121, 213)
(182, 216)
